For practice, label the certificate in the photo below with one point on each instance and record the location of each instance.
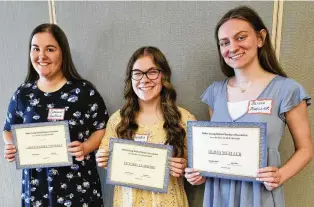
(139, 165)
(227, 150)
(41, 145)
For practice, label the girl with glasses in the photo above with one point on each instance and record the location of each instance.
(150, 114)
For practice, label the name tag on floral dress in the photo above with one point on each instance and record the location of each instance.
(56, 114)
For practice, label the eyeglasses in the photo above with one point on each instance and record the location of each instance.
(151, 74)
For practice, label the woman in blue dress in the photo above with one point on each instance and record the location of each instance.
(53, 85)
(254, 76)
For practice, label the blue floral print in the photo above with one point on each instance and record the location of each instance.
(76, 185)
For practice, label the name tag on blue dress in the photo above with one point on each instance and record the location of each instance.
(260, 106)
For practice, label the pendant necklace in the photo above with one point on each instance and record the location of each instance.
(244, 89)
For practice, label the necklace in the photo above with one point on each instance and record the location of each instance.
(244, 89)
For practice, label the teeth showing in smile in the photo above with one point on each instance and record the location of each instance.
(146, 88)
(237, 56)
(43, 64)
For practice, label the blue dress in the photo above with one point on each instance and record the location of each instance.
(285, 94)
(79, 184)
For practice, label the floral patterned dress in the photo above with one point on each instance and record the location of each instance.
(84, 108)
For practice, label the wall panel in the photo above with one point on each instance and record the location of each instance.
(296, 57)
(18, 19)
(103, 36)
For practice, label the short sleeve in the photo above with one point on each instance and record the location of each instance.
(209, 95)
(97, 111)
(292, 94)
(111, 129)
(13, 115)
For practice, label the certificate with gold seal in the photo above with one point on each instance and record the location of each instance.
(41, 145)
(229, 150)
(139, 165)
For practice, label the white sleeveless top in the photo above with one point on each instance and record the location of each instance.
(237, 109)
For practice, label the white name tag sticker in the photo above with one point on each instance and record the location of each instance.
(56, 114)
(141, 137)
(260, 106)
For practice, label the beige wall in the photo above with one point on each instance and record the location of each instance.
(103, 35)
(296, 57)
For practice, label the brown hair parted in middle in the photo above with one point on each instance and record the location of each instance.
(266, 54)
(68, 68)
(172, 117)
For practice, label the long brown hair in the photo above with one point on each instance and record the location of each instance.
(266, 54)
(68, 69)
(127, 127)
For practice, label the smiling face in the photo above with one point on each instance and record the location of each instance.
(146, 90)
(46, 55)
(239, 43)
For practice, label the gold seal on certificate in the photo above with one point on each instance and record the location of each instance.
(42, 144)
(227, 149)
(139, 165)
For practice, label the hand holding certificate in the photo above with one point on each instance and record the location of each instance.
(227, 150)
(139, 165)
(9, 152)
(42, 145)
(178, 165)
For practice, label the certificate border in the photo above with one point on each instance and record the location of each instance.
(262, 146)
(151, 145)
(17, 155)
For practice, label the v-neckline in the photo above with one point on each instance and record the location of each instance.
(258, 97)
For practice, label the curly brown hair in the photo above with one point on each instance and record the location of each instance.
(172, 117)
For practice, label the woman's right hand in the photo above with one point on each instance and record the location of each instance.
(194, 177)
(102, 157)
(9, 152)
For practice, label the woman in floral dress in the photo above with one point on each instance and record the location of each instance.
(53, 83)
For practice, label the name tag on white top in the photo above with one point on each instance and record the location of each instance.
(260, 106)
(141, 137)
(56, 114)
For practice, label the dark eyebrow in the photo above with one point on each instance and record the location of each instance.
(51, 46)
(34, 45)
(233, 35)
(135, 69)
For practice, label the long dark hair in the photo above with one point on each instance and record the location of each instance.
(266, 54)
(172, 125)
(68, 69)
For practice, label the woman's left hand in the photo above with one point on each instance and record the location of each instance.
(77, 150)
(271, 177)
(177, 166)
